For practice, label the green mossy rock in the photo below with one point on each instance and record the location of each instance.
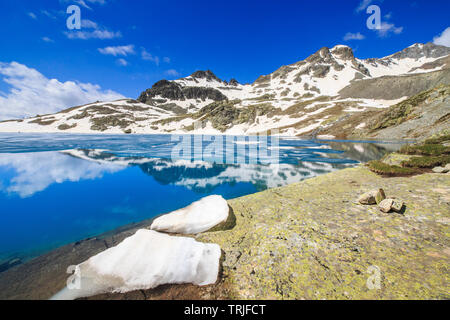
(309, 240)
(380, 196)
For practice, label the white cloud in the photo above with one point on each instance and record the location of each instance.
(47, 39)
(388, 28)
(443, 39)
(363, 5)
(48, 14)
(35, 172)
(32, 15)
(32, 93)
(122, 62)
(96, 34)
(172, 73)
(118, 50)
(97, 1)
(84, 4)
(353, 36)
(88, 24)
(149, 57)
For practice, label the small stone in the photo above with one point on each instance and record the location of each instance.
(372, 197)
(368, 198)
(440, 170)
(386, 205)
(380, 196)
(447, 167)
(397, 205)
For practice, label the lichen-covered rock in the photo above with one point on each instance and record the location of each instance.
(380, 196)
(397, 205)
(368, 198)
(440, 170)
(386, 205)
(308, 241)
(372, 197)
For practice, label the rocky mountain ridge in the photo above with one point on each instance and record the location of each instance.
(297, 99)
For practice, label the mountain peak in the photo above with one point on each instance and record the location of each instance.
(344, 52)
(323, 55)
(417, 45)
(339, 46)
(208, 75)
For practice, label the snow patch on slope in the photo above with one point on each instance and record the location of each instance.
(144, 261)
(198, 217)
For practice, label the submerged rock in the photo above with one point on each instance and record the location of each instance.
(144, 261)
(9, 264)
(198, 217)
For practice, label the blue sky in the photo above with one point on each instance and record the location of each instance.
(126, 46)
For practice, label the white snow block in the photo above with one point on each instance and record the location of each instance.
(144, 261)
(198, 217)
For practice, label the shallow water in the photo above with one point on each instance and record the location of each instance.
(57, 189)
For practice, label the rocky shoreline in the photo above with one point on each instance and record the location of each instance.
(313, 240)
(309, 240)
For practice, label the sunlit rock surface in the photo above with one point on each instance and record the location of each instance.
(198, 217)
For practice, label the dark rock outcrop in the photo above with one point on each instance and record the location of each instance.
(208, 75)
(203, 93)
(165, 89)
(344, 52)
(322, 56)
(233, 82)
(224, 114)
(174, 91)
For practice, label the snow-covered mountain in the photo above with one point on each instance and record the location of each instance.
(296, 99)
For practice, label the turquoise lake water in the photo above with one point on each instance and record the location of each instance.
(57, 189)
